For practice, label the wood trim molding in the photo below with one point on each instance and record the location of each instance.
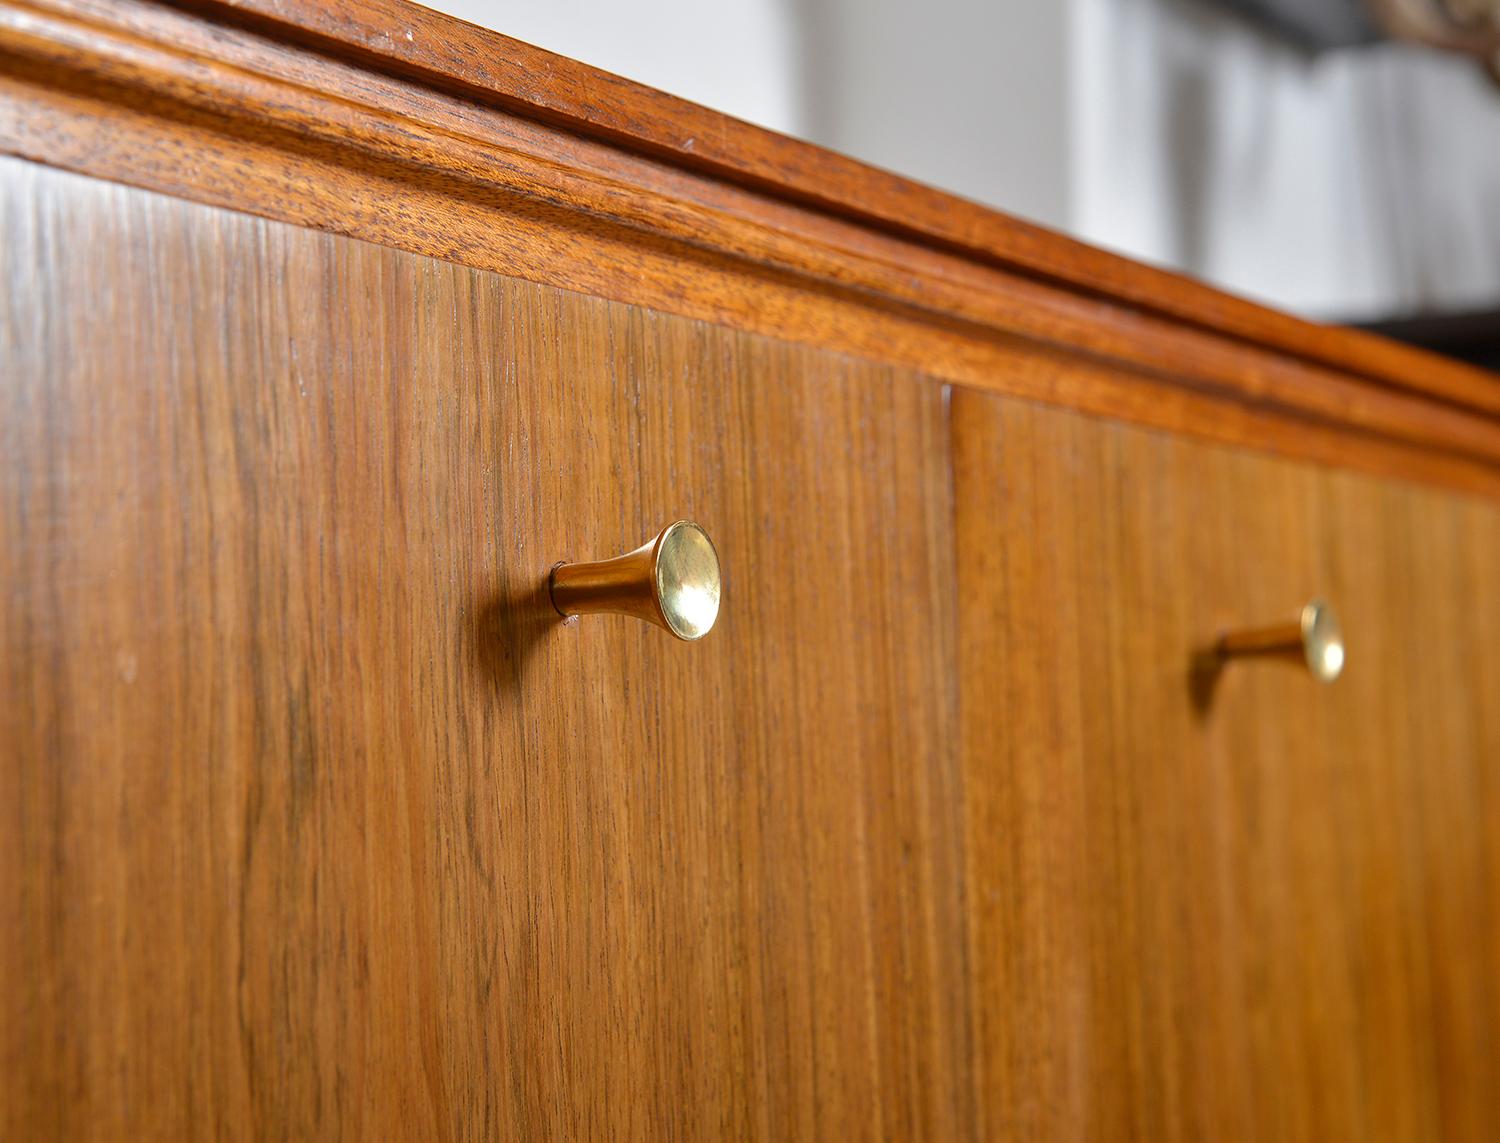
(397, 125)
(486, 65)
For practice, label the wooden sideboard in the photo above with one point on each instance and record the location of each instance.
(328, 329)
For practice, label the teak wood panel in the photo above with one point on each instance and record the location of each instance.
(319, 823)
(1237, 907)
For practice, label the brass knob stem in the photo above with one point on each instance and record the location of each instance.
(1313, 639)
(671, 580)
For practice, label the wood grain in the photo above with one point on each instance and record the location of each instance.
(244, 117)
(319, 823)
(409, 40)
(1262, 909)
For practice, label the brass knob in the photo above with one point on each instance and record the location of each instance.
(1314, 638)
(671, 580)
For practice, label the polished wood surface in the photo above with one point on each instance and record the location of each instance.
(323, 823)
(320, 823)
(1236, 903)
(263, 115)
(402, 38)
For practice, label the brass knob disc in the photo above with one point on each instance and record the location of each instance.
(687, 580)
(1322, 641)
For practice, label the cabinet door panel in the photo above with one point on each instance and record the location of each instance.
(321, 823)
(1259, 909)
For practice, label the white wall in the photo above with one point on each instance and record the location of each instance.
(738, 56)
(969, 95)
(1352, 184)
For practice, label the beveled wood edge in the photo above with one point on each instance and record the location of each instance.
(179, 101)
(485, 64)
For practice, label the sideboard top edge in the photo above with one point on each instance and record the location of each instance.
(506, 158)
(520, 77)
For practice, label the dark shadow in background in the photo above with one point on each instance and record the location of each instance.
(1472, 337)
(1314, 24)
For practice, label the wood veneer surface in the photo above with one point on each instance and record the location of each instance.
(1262, 910)
(319, 823)
(322, 824)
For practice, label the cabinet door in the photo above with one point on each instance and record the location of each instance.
(320, 822)
(1243, 907)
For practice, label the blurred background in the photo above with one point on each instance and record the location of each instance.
(1338, 158)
